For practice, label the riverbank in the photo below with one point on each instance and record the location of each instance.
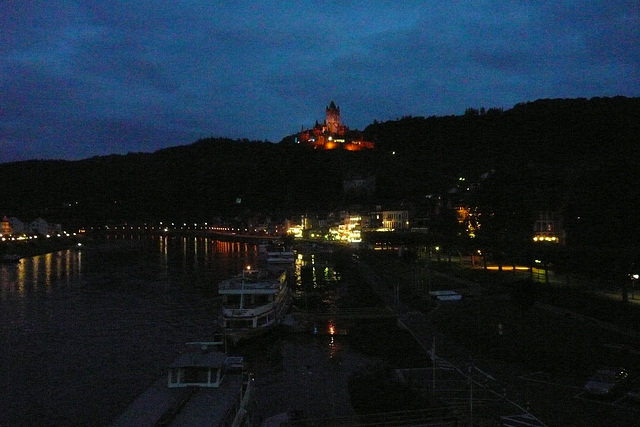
(347, 372)
(40, 246)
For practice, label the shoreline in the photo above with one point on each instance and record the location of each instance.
(41, 246)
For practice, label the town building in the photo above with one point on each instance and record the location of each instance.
(14, 226)
(5, 227)
(359, 185)
(548, 228)
(18, 226)
(395, 220)
(42, 227)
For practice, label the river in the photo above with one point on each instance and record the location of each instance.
(83, 331)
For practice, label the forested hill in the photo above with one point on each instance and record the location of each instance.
(204, 180)
(558, 132)
(578, 156)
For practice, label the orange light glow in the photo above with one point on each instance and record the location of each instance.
(332, 328)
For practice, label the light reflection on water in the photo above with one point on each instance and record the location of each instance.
(82, 332)
(317, 289)
(39, 273)
(313, 273)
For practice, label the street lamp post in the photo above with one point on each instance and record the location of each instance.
(634, 277)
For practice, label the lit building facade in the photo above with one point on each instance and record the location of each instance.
(548, 228)
(5, 227)
(395, 220)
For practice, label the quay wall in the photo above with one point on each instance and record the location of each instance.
(213, 234)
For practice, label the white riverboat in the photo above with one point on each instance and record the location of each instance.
(203, 386)
(277, 254)
(254, 301)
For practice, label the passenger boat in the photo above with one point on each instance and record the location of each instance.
(203, 386)
(277, 253)
(254, 301)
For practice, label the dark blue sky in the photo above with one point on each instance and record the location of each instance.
(86, 78)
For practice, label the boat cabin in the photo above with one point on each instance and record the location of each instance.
(204, 386)
(205, 369)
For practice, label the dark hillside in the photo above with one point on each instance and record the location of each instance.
(195, 182)
(576, 156)
(559, 132)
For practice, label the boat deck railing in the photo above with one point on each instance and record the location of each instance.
(248, 286)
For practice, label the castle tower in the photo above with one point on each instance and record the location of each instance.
(5, 227)
(333, 118)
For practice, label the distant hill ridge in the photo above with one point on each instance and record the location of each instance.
(566, 154)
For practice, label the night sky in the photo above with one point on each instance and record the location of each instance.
(86, 78)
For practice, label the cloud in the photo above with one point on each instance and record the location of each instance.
(160, 74)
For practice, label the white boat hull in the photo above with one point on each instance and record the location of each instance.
(252, 306)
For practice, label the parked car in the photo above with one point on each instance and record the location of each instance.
(606, 381)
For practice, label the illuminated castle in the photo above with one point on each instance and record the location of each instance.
(332, 134)
(332, 122)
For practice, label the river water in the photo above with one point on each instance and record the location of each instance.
(84, 331)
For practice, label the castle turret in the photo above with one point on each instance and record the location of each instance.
(333, 118)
